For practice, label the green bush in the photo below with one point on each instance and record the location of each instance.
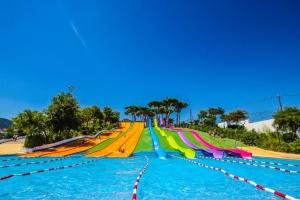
(295, 146)
(34, 140)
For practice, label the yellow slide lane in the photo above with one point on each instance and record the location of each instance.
(78, 146)
(118, 143)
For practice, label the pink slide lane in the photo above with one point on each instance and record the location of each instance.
(212, 152)
(241, 153)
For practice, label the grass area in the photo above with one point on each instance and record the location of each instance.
(219, 142)
(145, 142)
(193, 140)
(107, 142)
(177, 139)
(163, 141)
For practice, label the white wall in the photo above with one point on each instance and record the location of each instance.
(260, 126)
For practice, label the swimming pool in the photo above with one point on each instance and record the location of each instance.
(113, 178)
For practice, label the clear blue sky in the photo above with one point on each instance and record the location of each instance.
(234, 54)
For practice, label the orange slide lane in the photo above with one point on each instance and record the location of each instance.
(78, 146)
(119, 145)
(128, 147)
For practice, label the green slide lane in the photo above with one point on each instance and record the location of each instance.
(193, 140)
(163, 141)
(103, 144)
(145, 142)
(219, 142)
(177, 139)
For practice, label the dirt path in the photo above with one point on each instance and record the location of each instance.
(271, 154)
(12, 147)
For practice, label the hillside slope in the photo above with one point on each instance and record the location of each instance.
(5, 123)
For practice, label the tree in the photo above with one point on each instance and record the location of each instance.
(110, 117)
(288, 121)
(202, 115)
(34, 125)
(30, 122)
(133, 110)
(63, 115)
(208, 117)
(91, 118)
(178, 108)
(234, 117)
(169, 105)
(216, 111)
(156, 106)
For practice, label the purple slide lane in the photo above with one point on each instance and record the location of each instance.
(242, 153)
(215, 153)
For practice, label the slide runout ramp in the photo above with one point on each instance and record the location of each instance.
(74, 147)
(188, 153)
(161, 153)
(235, 151)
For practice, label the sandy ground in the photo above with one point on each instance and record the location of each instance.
(272, 154)
(12, 147)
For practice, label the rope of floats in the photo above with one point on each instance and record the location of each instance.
(267, 162)
(277, 193)
(11, 159)
(253, 164)
(49, 169)
(32, 163)
(137, 180)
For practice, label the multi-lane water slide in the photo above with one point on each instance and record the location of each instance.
(212, 152)
(235, 151)
(79, 145)
(122, 146)
(189, 153)
(161, 153)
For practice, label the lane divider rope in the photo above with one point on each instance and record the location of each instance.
(32, 163)
(267, 162)
(135, 186)
(45, 170)
(11, 159)
(22, 158)
(253, 164)
(277, 193)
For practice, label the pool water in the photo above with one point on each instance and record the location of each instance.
(173, 178)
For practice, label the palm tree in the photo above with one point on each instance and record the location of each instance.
(178, 107)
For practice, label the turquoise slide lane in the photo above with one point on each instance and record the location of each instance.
(161, 153)
(189, 153)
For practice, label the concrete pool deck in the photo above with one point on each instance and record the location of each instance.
(12, 147)
(271, 154)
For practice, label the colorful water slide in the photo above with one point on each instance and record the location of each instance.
(214, 153)
(235, 151)
(172, 142)
(77, 146)
(161, 153)
(122, 146)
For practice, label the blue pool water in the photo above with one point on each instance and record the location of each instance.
(113, 178)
